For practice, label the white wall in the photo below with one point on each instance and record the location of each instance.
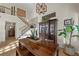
(5, 17)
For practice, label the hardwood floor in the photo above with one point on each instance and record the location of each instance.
(7, 48)
(7, 41)
(9, 53)
(61, 52)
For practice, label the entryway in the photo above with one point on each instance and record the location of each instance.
(9, 30)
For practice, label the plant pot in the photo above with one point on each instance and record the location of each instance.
(69, 50)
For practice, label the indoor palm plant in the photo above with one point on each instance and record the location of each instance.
(68, 31)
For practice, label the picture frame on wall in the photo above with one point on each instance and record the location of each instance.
(68, 22)
(21, 12)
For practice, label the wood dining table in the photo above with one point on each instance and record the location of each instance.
(35, 49)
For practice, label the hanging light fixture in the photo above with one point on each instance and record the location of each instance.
(41, 8)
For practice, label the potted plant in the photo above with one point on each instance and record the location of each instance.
(34, 33)
(68, 31)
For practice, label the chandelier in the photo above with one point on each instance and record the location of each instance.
(41, 8)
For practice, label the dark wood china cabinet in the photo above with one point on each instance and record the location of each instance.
(48, 30)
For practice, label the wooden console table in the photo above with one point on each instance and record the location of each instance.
(29, 48)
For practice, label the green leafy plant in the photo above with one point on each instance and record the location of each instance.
(33, 33)
(77, 26)
(69, 30)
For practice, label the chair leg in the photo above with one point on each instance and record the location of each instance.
(57, 51)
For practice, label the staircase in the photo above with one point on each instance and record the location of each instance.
(25, 27)
(21, 18)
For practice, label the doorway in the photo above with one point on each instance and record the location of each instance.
(9, 30)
